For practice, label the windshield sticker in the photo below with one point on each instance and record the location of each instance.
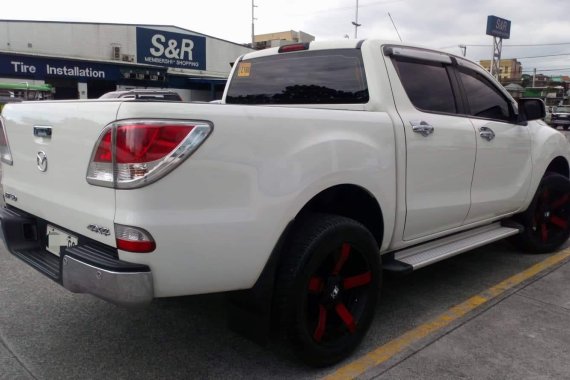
(244, 69)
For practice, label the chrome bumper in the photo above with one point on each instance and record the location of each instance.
(88, 267)
(122, 288)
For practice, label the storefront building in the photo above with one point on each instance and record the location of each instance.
(86, 60)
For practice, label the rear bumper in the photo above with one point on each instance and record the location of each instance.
(560, 122)
(89, 267)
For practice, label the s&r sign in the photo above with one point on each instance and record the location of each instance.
(184, 51)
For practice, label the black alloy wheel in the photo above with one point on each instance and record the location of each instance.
(328, 287)
(547, 220)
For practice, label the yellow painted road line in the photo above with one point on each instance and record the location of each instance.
(387, 351)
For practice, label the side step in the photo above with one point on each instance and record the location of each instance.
(419, 256)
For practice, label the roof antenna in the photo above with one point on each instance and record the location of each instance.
(389, 15)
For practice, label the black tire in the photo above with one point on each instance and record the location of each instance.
(547, 220)
(327, 287)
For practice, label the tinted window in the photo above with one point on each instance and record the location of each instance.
(308, 77)
(427, 85)
(485, 100)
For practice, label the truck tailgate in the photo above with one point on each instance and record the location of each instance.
(58, 192)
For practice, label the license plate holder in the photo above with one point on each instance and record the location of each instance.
(57, 238)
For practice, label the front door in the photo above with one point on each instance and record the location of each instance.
(502, 173)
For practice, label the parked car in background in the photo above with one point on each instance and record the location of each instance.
(143, 94)
(6, 98)
(560, 117)
(548, 116)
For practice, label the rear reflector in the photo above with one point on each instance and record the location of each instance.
(5, 153)
(293, 47)
(135, 153)
(133, 239)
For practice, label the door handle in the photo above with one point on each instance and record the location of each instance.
(486, 133)
(422, 128)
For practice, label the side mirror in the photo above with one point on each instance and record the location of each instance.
(532, 109)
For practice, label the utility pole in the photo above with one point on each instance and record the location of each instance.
(463, 49)
(355, 22)
(253, 6)
(533, 76)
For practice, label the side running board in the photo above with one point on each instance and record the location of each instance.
(419, 256)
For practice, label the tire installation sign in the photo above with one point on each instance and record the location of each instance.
(183, 51)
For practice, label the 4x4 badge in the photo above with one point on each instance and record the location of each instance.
(41, 161)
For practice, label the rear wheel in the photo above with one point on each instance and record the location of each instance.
(327, 287)
(547, 220)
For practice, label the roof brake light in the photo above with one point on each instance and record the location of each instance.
(293, 47)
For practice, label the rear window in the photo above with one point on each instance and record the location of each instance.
(427, 84)
(309, 77)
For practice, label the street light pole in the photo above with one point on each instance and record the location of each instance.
(355, 22)
(253, 6)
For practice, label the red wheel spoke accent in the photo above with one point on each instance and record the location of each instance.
(346, 317)
(544, 232)
(321, 324)
(315, 285)
(559, 202)
(558, 222)
(358, 280)
(344, 253)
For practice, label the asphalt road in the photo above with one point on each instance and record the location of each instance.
(48, 333)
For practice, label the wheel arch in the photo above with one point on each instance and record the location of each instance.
(351, 201)
(255, 304)
(559, 165)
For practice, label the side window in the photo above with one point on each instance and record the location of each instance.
(485, 100)
(427, 85)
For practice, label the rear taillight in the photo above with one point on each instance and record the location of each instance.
(133, 239)
(135, 153)
(5, 153)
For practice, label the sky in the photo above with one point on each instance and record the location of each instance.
(440, 24)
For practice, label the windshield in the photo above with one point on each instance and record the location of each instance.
(307, 77)
(562, 109)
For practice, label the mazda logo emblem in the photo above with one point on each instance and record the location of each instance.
(41, 161)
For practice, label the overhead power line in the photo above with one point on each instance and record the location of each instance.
(542, 56)
(509, 45)
(523, 45)
(562, 69)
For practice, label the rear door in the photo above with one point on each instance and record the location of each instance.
(502, 175)
(51, 145)
(440, 144)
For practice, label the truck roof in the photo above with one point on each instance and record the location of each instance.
(343, 44)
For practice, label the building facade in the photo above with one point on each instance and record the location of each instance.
(510, 70)
(264, 41)
(86, 60)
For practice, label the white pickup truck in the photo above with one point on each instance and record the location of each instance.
(325, 164)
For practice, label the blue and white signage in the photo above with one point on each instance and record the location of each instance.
(498, 27)
(40, 68)
(184, 51)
